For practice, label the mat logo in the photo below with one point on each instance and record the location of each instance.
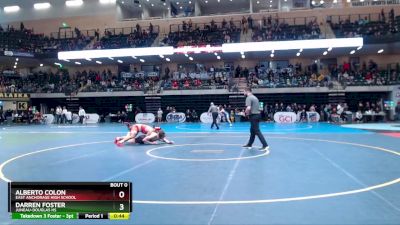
(145, 118)
(176, 117)
(285, 117)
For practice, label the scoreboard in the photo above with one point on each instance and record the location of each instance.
(70, 200)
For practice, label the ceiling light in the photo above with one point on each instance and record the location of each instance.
(270, 5)
(11, 9)
(186, 55)
(298, 54)
(190, 58)
(17, 59)
(66, 60)
(359, 48)
(41, 65)
(16, 63)
(273, 51)
(313, 2)
(176, 2)
(218, 1)
(98, 62)
(180, 7)
(301, 50)
(206, 1)
(380, 51)
(78, 63)
(329, 49)
(104, 2)
(335, 1)
(167, 59)
(88, 59)
(73, 3)
(218, 57)
(190, 2)
(152, 4)
(258, 2)
(140, 6)
(216, 54)
(325, 53)
(120, 61)
(352, 52)
(322, 2)
(15, 67)
(270, 1)
(348, 1)
(243, 56)
(164, 3)
(162, 56)
(57, 64)
(111, 58)
(272, 55)
(39, 6)
(142, 60)
(134, 57)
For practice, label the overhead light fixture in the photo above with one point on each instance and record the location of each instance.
(218, 1)
(206, 1)
(78, 63)
(301, 50)
(325, 53)
(120, 61)
(88, 59)
(243, 56)
(98, 62)
(111, 58)
(176, 2)
(16, 63)
(218, 57)
(152, 4)
(348, 1)
(359, 48)
(334, 1)
(43, 5)
(380, 51)
(190, 58)
(11, 9)
(66, 60)
(140, 6)
(134, 57)
(164, 3)
(321, 2)
(272, 55)
(329, 49)
(258, 2)
(270, 6)
(216, 54)
(181, 7)
(186, 55)
(57, 64)
(161, 56)
(190, 2)
(15, 67)
(313, 2)
(104, 2)
(41, 65)
(17, 59)
(167, 59)
(73, 3)
(352, 52)
(141, 60)
(298, 54)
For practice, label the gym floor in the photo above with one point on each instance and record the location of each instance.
(314, 174)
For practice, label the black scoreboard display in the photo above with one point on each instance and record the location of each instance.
(70, 200)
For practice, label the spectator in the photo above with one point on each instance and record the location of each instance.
(64, 115)
(81, 114)
(159, 115)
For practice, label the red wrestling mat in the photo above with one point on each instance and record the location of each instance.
(392, 134)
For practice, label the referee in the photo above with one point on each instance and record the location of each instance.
(253, 111)
(214, 112)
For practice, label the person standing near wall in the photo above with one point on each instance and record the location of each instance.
(253, 111)
(82, 114)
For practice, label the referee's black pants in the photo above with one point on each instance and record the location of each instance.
(214, 116)
(255, 130)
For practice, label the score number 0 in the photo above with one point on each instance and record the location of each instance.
(121, 194)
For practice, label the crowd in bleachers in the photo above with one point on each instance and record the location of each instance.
(275, 29)
(212, 33)
(22, 39)
(364, 27)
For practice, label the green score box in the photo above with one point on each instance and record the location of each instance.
(44, 216)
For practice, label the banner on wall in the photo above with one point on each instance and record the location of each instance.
(311, 116)
(92, 118)
(207, 118)
(145, 118)
(48, 118)
(177, 117)
(285, 117)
